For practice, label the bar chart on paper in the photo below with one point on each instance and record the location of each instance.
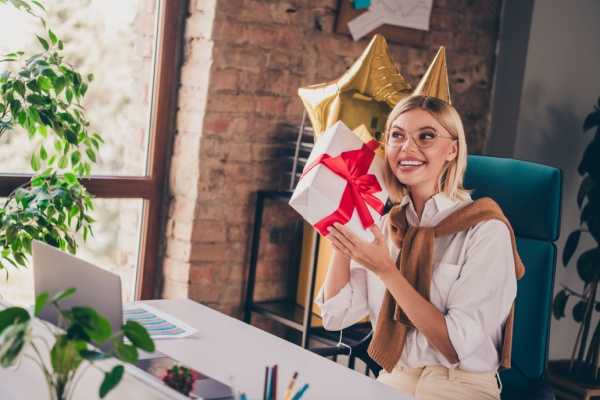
(159, 324)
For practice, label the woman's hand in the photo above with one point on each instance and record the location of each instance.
(375, 256)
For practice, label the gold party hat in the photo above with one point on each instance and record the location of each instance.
(363, 95)
(435, 81)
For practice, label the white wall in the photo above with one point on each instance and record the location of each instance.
(561, 85)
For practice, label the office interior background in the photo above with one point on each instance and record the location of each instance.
(176, 181)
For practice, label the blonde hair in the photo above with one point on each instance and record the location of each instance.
(450, 180)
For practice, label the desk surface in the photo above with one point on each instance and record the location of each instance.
(226, 349)
(237, 353)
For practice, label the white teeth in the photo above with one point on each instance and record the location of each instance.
(411, 162)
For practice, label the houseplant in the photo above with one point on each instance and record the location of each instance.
(71, 350)
(41, 94)
(585, 360)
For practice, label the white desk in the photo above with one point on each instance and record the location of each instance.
(234, 353)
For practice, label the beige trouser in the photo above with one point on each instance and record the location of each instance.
(438, 382)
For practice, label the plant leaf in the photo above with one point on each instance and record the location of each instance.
(93, 355)
(579, 311)
(52, 36)
(91, 155)
(88, 321)
(71, 136)
(111, 380)
(44, 83)
(63, 162)
(126, 352)
(138, 335)
(560, 301)
(12, 343)
(65, 354)
(40, 302)
(71, 178)
(75, 157)
(43, 153)
(592, 120)
(63, 295)
(587, 265)
(13, 315)
(20, 88)
(44, 42)
(571, 246)
(59, 85)
(35, 162)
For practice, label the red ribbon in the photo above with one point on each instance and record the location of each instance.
(352, 166)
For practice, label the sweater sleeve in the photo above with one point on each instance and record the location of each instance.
(481, 298)
(349, 305)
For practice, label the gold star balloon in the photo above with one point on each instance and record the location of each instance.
(435, 81)
(363, 95)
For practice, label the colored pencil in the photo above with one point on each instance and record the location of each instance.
(274, 383)
(265, 385)
(300, 392)
(290, 388)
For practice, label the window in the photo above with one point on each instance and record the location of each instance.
(130, 47)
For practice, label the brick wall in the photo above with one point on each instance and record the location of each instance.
(244, 61)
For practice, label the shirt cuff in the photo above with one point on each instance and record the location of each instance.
(337, 304)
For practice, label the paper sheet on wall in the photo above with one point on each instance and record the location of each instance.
(413, 14)
(160, 325)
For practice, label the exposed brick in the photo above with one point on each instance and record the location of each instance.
(195, 74)
(246, 57)
(174, 290)
(199, 25)
(210, 209)
(231, 103)
(238, 153)
(198, 51)
(178, 250)
(208, 231)
(206, 292)
(192, 99)
(238, 233)
(190, 121)
(271, 104)
(182, 208)
(213, 252)
(274, 13)
(227, 79)
(243, 63)
(176, 270)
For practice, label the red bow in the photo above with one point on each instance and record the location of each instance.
(352, 166)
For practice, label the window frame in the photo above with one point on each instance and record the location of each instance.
(149, 187)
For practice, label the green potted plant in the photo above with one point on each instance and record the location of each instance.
(42, 94)
(584, 365)
(83, 328)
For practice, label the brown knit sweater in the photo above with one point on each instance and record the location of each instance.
(415, 263)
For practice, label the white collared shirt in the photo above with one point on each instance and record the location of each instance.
(473, 285)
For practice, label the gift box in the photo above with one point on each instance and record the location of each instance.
(342, 182)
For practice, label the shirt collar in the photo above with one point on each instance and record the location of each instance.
(438, 203)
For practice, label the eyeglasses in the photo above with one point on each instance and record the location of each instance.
(422, 139)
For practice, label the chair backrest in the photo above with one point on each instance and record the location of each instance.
(530, 196)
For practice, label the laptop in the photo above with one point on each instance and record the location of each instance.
(55, 270)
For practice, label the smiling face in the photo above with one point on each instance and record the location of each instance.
(419, 168)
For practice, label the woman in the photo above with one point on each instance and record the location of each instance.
(442, 339)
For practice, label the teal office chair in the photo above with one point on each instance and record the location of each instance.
(530, 196)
